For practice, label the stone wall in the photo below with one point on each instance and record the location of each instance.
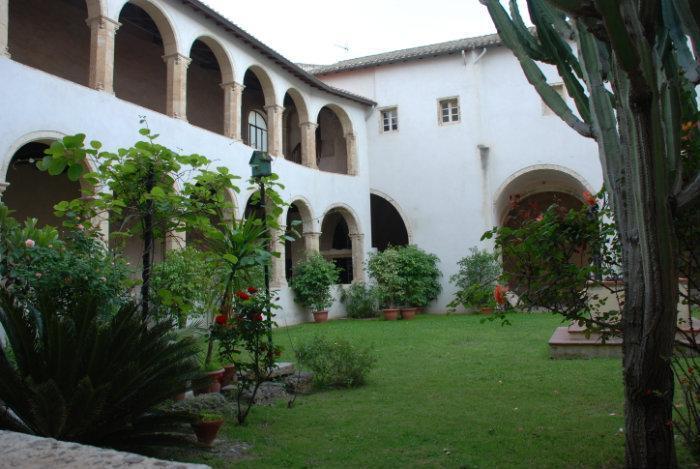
(21, 451)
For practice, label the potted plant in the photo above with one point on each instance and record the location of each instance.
(207, 427)
(383, 267)
(421, 279)
(311, 283)
(476, 280)
(210, 382)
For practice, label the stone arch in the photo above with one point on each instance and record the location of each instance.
(342, 242)
(144, 42)
(538, 179)
(385, 221)
(262, 131)
(163, 21)
(336, 148)
(294, 119)
(210, 68)
(21, 178)
(222, 56)
(63, 49)
(295, 250)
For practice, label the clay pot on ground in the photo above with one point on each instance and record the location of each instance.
(321, 316)
(486, 310)
(409, 313)
(229, 375)
(206, 431)
(391, 314)
(179, 397)
(211, 382)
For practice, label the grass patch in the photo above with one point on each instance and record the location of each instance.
(447, 391)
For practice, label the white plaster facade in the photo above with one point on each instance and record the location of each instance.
(451, 180)
(442, 179)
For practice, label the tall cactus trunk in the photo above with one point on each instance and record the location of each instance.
(651, 275)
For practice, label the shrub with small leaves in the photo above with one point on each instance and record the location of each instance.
(312, 282)
(361, 300)
(336, 362)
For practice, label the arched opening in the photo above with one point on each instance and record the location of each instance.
(331, 142)
(257, 95)
(131, 246)
(51, 36)
(336, 245)
(33, 193)
(529, 193)
(140, 73)
(205, 96)
(388, 228)
(298, 222)
(295, 114)
(254, 206)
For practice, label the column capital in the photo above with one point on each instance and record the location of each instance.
(178, 59)
(274, 108)
(311, 234)
(308, 125)
(235, 86)
(356, 236)
(103, 22)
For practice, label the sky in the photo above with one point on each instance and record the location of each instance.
(324, 31)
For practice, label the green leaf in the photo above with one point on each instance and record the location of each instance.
(230, 258)
(74, 171)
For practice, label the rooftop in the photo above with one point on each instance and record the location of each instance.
(406, 55)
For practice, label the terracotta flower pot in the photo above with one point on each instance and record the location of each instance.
(229, 375)
(391, 314)
(209, 383)
(409, 313)
(206, 431)
(321, 316)
(179, 397)
(486, 310)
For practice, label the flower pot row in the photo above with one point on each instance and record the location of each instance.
(392, 314)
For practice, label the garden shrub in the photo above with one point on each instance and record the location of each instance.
(336, 362)
(77, 378)
(405, 276)
(42, 268)
(186, 284)
(361, 300)
(477, 277)
(312, 282)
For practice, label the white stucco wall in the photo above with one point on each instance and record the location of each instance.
(434, 172)
(37, 104)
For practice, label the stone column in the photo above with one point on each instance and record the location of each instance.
(102, 30)
(175, 240)
(176, 97)
(351, 147)
(358, 254)
(308, 144)
(311, 243)
(3, 188)
(278, 278)
(4, 28)
(233, 94)
(274, 129)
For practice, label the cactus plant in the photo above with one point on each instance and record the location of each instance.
(632, 78)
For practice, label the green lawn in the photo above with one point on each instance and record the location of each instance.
(448, 391)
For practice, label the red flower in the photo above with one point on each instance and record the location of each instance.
(691, 369)
(499, 294)
(259, 317)
(539, 217)
(220, 319)
(242, 295)
(589, 198)
(252, 290)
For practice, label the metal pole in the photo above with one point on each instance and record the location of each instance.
(266, 268)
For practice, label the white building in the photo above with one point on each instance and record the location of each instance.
(206, 86)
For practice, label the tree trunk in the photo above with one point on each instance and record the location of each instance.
(147, 249)
(651, 295)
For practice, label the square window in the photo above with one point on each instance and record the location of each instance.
(449, 110)
(390, 119)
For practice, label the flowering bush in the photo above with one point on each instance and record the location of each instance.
(245, 339)
(476, 279)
